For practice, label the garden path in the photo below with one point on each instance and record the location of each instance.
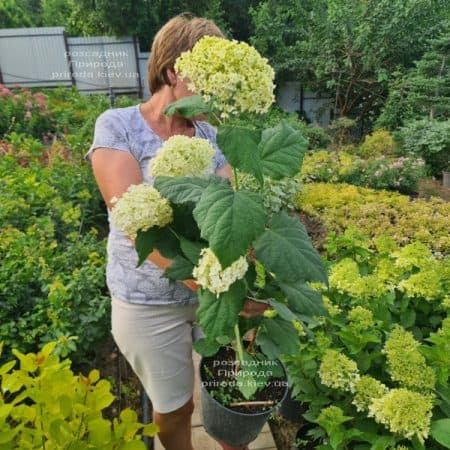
(202, 441)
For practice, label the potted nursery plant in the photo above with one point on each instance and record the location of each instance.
(224, 236)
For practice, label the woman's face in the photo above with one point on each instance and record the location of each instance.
(179, 85)
(182, 89)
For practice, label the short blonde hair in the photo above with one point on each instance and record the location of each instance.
(178, 35)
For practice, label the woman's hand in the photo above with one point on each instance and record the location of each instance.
(253, 309)
(191, 284)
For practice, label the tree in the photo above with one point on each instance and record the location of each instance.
(347, 48)
(422, 92)
(13, 15)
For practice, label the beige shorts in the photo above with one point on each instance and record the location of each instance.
(157, 342)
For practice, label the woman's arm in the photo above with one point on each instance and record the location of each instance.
(114, 172)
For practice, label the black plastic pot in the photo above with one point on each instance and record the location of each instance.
(232, 427)
(291, 409)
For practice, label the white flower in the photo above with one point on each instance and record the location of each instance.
(183, 156)
(210, 275)
(141, 207)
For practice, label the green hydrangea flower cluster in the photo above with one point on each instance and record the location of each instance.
(366, 390)
(360, 318)
(344, 276)
(406, 364)
(403, 412)
(183, 156)
(276, 194)
(210, 275)
(337, 371)
(230, 74)
(332, 309)
(141, 207)
(405, 270)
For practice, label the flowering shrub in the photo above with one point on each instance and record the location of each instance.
(44, 405)
(401, 174)
(21, 111)
(376, 372)
(376, 213)
(183, 156)
(232, 75)
(221, 234)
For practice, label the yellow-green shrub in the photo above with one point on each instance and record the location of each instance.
(380, 142)
(44, 405)
(376, 213)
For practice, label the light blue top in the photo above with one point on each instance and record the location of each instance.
(125, 129)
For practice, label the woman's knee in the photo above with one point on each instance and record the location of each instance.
(180, 414)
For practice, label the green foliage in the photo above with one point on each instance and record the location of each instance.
(377, 213)
(316, 136)
(346, 48)
(52, 282)
(430, 140)
(400, 174)
(378, 143)
(44, 405)
(13, 15)
(21, 111)
(234, 224)
(370, 293)
(276, 194)
(423, 91)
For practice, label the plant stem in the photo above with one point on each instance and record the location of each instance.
(174, 233)
(239, 348)
(257, 403)
(236, 182)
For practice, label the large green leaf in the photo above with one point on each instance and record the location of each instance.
(190, 106)
(277, 337)
(183, 221)
(161, 239)
(240, 147)
(206, 347)
(302, 299)
(281, 151)
(218, 315)
(440, 430)
(286, 250)
(191, 249)
(180, 269)
(185, 189)
(229, 220)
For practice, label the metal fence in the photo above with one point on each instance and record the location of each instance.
(46, 57)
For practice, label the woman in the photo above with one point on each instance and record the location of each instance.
(152, 319)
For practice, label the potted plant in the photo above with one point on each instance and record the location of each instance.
(224, 237)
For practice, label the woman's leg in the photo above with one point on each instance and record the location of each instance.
(175, 427)
(157, 343)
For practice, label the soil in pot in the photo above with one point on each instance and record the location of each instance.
(215, 374)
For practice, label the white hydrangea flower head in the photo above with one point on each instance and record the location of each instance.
(210, 275)
(141, 207)
(183, 156)
(404, 412)
(232, 74)
(338, 372)
(366, 390)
